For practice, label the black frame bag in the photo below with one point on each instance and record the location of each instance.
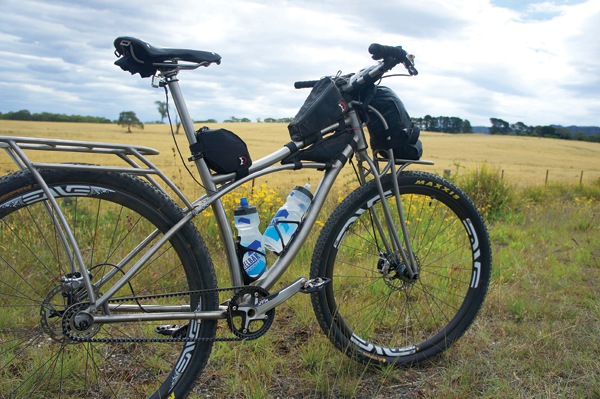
(402, 135)
(224, 151)
(324, 106)
(324, 150)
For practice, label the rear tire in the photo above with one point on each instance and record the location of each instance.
(109, 215)
(372, 311)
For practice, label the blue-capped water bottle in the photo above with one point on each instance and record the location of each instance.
(287, 219)
(250, 247)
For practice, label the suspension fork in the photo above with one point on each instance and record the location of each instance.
(396, 246)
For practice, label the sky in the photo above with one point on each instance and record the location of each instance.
(537, 62)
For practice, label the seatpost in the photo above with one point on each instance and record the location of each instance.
(208, 183)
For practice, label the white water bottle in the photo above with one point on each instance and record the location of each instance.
(279, 233)
(252, 252)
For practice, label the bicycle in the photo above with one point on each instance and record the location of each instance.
(109, 289)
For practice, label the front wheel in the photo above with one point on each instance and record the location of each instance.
(372, 310)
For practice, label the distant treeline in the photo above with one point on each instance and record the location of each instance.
(233, 119)
(25, 115)
(444, 124)
(500, 126)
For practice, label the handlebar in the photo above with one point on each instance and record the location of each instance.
(305, 84)
(391, 57)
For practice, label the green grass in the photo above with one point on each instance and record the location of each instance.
(538, 334)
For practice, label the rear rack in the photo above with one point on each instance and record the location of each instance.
(14, 147)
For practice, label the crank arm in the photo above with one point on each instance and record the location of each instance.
(262, 306)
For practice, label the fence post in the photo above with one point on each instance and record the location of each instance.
(547, 171)
(581, 178)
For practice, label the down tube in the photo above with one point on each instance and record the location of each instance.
(283, 262)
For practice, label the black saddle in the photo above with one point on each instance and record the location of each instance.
(137, 56)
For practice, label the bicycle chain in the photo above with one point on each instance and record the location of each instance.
(66, 328)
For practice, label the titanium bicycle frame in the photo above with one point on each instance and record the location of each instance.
(14, 146)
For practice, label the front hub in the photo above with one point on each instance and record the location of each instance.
(395, 272)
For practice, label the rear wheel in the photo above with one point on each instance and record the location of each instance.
(372, 310)
(110, 215)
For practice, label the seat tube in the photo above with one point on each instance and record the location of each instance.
(209, 185)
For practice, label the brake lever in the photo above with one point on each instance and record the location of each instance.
(409, 64)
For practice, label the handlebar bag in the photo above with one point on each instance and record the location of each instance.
(324, 106)
(402, 135)
(223, 151)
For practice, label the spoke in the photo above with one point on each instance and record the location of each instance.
(21, 340)
(440, 231)
(35, 371)
(429, 273)
(29, 249)
(353, 232)
(124, 238)
(360, 250)
(45, 240)
(380, 308)
(429, 221)
(22, 278)
(355, 285)
(367, 306)
(148, 264)
(434, 298)
(159, 278)
(355, 266)
(98, 374)
(38, 302)
(363, 277)
(446, 292)
(95, 233)
(450, 253)
(112, 240)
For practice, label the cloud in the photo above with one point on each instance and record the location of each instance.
(523, 60)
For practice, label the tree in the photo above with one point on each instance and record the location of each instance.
(162, 109)
(466, 127)
(128, 119)
(520, 128)
(499, 126)
(563, 133)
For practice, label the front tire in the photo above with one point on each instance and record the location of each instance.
(371, 310)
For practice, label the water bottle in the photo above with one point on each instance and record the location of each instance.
(250, 246)
(279, 233)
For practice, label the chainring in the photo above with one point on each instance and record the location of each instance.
(237, 319)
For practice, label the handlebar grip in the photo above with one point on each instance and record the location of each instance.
(305, 84)
(381, 52)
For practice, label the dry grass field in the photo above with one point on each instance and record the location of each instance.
(524, 160)
(537, 333)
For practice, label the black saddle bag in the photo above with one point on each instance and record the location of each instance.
(324, 106)
(402, 135)
(223, 151)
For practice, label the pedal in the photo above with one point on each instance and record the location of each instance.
(172, 330)
(314, 285)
